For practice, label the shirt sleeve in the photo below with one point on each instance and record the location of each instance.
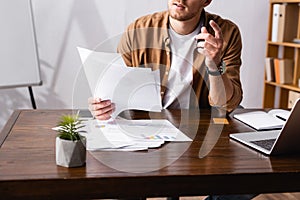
(125, 45)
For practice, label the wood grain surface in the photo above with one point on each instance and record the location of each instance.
(211, 164)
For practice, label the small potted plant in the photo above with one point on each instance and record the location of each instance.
(70, 145)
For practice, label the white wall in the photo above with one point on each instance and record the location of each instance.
(61, 26)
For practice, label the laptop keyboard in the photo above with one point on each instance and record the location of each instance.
(266, 144)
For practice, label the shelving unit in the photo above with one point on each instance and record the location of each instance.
(276, 94)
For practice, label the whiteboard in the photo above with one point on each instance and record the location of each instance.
(19, 63)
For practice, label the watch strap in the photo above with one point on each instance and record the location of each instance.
(221, 70)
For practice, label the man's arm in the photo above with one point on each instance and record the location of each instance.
(225, 89)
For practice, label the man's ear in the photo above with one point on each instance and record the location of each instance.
(207, 2)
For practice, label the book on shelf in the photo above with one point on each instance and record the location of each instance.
(283, 70)
(261, 120)
(269, 69)
(283, 20)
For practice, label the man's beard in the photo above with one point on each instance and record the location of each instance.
(185, 17)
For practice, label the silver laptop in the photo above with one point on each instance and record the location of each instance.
(284, 141)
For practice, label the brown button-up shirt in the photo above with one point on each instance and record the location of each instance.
(146, 43)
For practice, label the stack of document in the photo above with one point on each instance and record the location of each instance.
(127, 87)
(130, 135)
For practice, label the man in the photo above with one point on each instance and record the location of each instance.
(197, 53)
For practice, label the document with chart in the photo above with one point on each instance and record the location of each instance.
(131, 135)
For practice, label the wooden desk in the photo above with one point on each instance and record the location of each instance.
(28, 169)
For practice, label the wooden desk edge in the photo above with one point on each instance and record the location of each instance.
(8, 126)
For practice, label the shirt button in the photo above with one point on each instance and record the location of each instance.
(162, 93)
(167, 72)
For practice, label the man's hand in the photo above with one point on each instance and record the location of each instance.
(212, 46)
(100, 109)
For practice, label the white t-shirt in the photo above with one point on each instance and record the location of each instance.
(181, 73)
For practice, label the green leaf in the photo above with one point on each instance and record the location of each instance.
(69, 126)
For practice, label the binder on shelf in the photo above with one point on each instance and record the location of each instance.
(276, 70)
(283, 20)
(286, 67)
(269, 69)
(276, 22)
(283, 69)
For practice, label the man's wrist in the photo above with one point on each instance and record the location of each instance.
(217, 71)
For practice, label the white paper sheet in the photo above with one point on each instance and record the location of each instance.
(131, 135)
(98, 139)
(156, 129)
(127, 87)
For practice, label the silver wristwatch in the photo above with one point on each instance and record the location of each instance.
(221, 70)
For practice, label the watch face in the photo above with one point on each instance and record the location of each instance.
(222, 68)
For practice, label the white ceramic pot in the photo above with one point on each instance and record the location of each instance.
(70, 153)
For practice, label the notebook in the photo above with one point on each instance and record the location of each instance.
(261, 120)
(275, 142)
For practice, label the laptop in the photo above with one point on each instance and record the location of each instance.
(275, 142)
